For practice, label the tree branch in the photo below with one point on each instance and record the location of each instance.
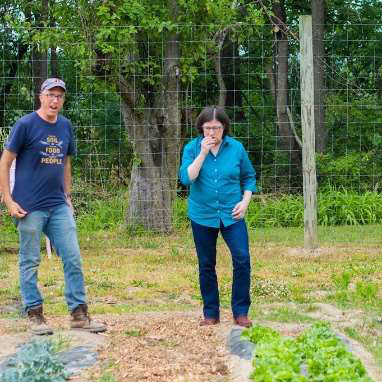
(277, 23)
(291, 122)
(250, 105)
(220, 37)
(128, 94)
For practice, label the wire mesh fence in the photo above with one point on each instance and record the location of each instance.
(133, 104)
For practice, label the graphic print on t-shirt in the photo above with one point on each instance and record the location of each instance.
(52, 151)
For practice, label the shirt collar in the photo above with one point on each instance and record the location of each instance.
(226, 140)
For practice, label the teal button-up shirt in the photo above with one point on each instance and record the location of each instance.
(221, 182)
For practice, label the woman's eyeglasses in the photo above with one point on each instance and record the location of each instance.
(212, 128)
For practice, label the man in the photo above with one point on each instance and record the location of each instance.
(43, 143)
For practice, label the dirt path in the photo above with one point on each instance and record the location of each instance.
(168, 347)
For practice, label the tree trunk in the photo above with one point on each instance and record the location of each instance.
(282, 92)
(232, 78)
(156, 136)
(54, 62)
(227, 72)
(378, 76)
(39, 72)
(287, 140)
(281, 77)
(271, 78)
(54, 72)
(318, 19)
(220, 38)
(39, 57)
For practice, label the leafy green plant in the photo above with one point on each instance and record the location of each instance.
(317, 355)
(342, 281)
(35, 362)
(366, 290)
(258, 334)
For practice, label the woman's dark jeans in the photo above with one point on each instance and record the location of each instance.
(236, 237)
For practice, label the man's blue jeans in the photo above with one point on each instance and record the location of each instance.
(236, 237)
(59, 225)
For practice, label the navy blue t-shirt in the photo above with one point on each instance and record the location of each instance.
(41, 148)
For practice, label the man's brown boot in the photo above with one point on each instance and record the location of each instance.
(81, 320)
(38, 323)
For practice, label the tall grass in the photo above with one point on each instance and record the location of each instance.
(103, 214)
(335, 207)
(342, 207)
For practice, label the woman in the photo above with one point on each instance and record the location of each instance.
(221, 179)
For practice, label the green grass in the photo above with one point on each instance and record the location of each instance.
(286, 314)
(142, 273)
(368, 338)
(368, 235)
(133, 333)
(107, 377)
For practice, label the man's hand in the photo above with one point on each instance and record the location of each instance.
(15, 210)
(239, 210)
(69, 203)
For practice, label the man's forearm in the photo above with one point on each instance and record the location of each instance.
(68, 185)
(4, 181)
(68, 177)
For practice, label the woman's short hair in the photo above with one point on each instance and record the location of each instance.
(210, 113)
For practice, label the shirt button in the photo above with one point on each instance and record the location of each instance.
(216, 191)
(216, 169)
(214, 160)
(216, 180)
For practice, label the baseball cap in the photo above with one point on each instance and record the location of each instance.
(52, 83)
